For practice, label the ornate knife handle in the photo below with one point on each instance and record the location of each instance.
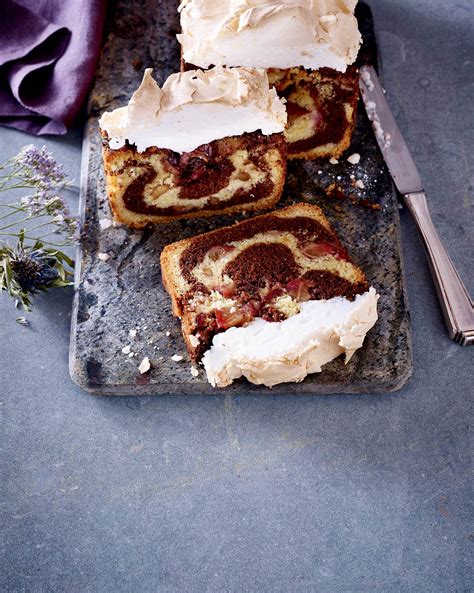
(455, 301)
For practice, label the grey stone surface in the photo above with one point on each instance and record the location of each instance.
(125, 292)
(337, 493)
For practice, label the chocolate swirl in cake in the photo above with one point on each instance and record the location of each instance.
(263, 267)
(266, 267)
(302, 228)
(201, 176)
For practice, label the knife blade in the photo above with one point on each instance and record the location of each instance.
(457, 305)
(395, 151)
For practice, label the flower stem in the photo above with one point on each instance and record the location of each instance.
(2, 234)
(63, 244)
(15, 210)
(25, 220)
(52, 233)
(17, 186)
(39, 226)
(35, 239)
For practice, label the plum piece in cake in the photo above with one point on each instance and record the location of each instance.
(206, 143)
(239, 285)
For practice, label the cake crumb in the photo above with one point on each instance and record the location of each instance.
(360, 184)
(333, 161)
(132, 333)
(131, 354)
(286, 305)
(354, 159)
(367, 80)
(194, 372)
(126, 349)
(383, 138)
(103, 256)
(105, 223)
(194, 341)
(176, 358)
(22, 321)
(144, 365)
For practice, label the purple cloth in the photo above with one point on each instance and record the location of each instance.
(48, 53)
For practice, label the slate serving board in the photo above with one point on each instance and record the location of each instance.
(121, 302)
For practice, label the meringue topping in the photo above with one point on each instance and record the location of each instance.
(270, 33)
(194, 108)
(269, 353)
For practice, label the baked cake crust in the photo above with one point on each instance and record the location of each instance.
(262, 267)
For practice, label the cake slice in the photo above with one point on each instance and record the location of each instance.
(206, 143)
(308, 48)
(272, 298)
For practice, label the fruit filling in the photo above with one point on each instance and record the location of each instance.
(269, 279)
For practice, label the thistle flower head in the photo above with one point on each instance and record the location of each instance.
(25, 271)
(33, 270)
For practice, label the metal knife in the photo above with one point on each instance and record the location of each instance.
(455, 301)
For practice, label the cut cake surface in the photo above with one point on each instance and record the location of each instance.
(262, 267)
(231, 174)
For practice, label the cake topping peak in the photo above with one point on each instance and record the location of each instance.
(196, 107)
(270, 33)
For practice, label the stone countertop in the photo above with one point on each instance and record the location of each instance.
(261, 492)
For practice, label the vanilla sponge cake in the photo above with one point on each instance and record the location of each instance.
(205, 143)
(261, 272)
(308, 48)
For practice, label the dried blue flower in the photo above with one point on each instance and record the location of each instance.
(66, 224)
(34, 264)
(25, 271)
(55, 204)
(39, 167)
(35, 205)
(33, 270)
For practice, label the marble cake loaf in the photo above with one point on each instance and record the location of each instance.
(272, 298)
(308, 48)
(321, 107)
(206, 143)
